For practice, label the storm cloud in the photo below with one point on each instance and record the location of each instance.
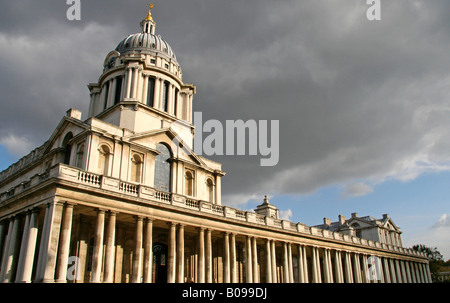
(356, 99)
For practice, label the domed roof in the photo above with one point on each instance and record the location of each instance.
(145, 42)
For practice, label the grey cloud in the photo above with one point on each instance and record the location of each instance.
(355, 99)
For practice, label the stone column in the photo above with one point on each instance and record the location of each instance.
(135, 72)
(248, 253)
(348, 268)
(338, 267)
(233, 269)
(97, 254)
(255, 261)
(208, 257)
(274, 262)
(392, 271)
(285, 263)
(386, 271)
(28, 250)
(129, 76)
(2, 238)
(148, 251)
(326, 266)
(110, 249)
(171, 254)
(180, 254)
(49, 243)
(428, 273)
(268, 262)
(315, 273)
(403, 271)
(11, 252)
(302, 270)
(416, 270)
(64, 243)
(398, 272)
(23, 247)
(291, 263)
(226, 259)
(367, 277)
(201, 255)
(357, 268)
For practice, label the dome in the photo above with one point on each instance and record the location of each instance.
(145, 43)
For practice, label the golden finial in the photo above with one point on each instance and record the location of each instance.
(149, 16)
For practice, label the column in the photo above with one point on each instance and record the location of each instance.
(348, 267)
(412, 272)
(274, 262)
(11, 251)
(144, 89)
(315, 268)
(110, 248)
(255, 261)
(268, 262)
(416, 270)
(208, 257)
(134, 82)
(338, 267)
(248, 253)
(386, 271)
(392, 270)
(398, 272)
(367, 277)
(97, 254)
(428, 273)
(290, 263)
(23, 247)
(49, 243)
(201, 255)
(233, 269)
(171, 254)
(403, 270)
(64, 243)
(180, 254)
(2, 238)
(326, 266)
(226, 259)
(285, 263)
(129, 78)
(28, 251)
(302, 265)
(408, 272)
(148, 251)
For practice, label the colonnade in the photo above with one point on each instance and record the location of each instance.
(34, 252)
(133, 85)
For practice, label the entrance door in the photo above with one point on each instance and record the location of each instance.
(159, 263)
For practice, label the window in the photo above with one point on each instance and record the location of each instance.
(67, 148)
(136, 167)
(358, 231)
(103, 160)
(163, 168)
(80, 156)
(189, 183)
(118, 91)
(175, 102)
(210, 190)
(164, 100)
(151, 92)
(106, 88)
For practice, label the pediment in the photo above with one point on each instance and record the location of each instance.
(180, 149)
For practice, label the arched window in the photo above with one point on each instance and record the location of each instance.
(210, 190)
(136, 168)
(189, 183)
(67, 148)
(163, 168)
(80, 155)
(104, 154)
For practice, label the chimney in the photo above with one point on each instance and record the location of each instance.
(342, 219)
(327, 221)
(74, 113)
(354, 215)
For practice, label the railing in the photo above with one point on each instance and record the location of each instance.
(65, 172)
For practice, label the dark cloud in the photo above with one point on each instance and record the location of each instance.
(355, 99)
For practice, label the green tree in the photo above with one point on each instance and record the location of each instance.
(435, 259)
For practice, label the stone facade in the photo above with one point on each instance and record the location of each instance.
(121, 197)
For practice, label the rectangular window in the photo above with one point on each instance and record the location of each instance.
(151, 92)
(118, 90)
(175, 102)
(106, 88)
(164, 100)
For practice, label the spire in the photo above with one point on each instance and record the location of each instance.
(149, 15)
(148, 25)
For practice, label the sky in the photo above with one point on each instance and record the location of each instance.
(363, 106)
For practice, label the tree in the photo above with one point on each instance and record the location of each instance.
(435, 259)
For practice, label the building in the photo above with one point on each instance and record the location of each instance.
(379, 230)
(120, 197)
